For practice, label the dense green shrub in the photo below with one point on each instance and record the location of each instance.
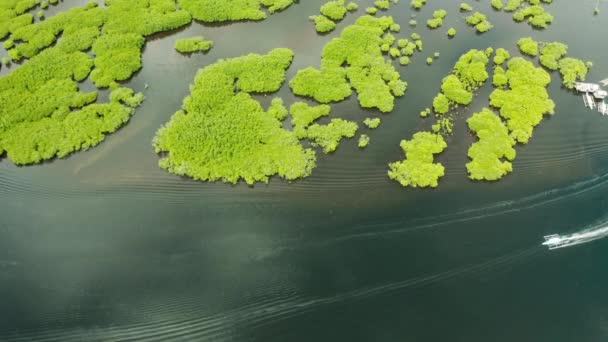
(235, 10)
(451, 32)
(501, 56)
(417, 4)
(526, 101)
(194, 44)
(465, 7)
(328, 136)
(479, 21)
(335, 10)
(303, 115)
(277, 109)
(437, 20)
(528, 46)
(551, 53)
(494, 144)
(418, 169)
(359, 47)
(536, 15)
(225, 135)
(322, 23)
(372, 123)
(363, 141)
(572, 69)
(497, 4)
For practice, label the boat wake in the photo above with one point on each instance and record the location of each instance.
(555, 241)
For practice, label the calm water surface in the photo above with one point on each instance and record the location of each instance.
(105, 246)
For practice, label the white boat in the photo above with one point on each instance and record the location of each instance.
(555, 241)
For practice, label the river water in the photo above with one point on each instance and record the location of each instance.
(106, 246)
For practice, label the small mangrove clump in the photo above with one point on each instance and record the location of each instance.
(494, 144)
(363, 141)
(465, 7)
(372, 123)
(437, 19)
(194, 44)
(479, 21)
(417, 4)
(528, 46)
(359, 48)
(418, 168)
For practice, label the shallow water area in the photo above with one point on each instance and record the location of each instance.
(104, 245)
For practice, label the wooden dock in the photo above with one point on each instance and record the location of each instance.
(602, 107)
(589, 101)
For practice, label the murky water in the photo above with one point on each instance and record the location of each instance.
(106, 246)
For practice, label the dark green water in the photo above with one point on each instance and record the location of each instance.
(105, 246)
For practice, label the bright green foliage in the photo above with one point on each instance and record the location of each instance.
(359, 47)
(225, 135)
(437, 19)
(572, 69)
(382, 4)
(479, 21)
(471, 69)
(234, 10)
(526, 101)
(118, 56)
(551, 53)
(395, 27)
(501, 56)
(451, 32)
(394, 52)
(465, 7)
(351, 7)
(372, 123)
(418, 44)
(363, 141)
(425, 112)
(429, 61)
(44, 4)
(303, 115)
(417, 4)
(328, 136)
(8, 44)
(12, 15)
(36, 121)
(528, 46)
(497, 4)
(322, 23)
(441, 104)
(40, 14)
(443, 126)
(194, 44)
(371, 10)
(499, 79)
(494, 144)
(6, 61)
(409, 49)
(415, 36)
(402, 43)
(335, 10)
(277, 109)
(513, 5)
(536, 15)
(405, 60)
(418, 169)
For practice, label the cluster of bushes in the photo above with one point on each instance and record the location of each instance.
(220, 11)
(332, 12)
(494, 144)
(223, 134)
(468, 75)
(194, 44)
(437, 19)
(526, 101)
(535, 13)
(359, 48)
(479, 21)
(552, 57)
(417, 4)
(418, 169)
